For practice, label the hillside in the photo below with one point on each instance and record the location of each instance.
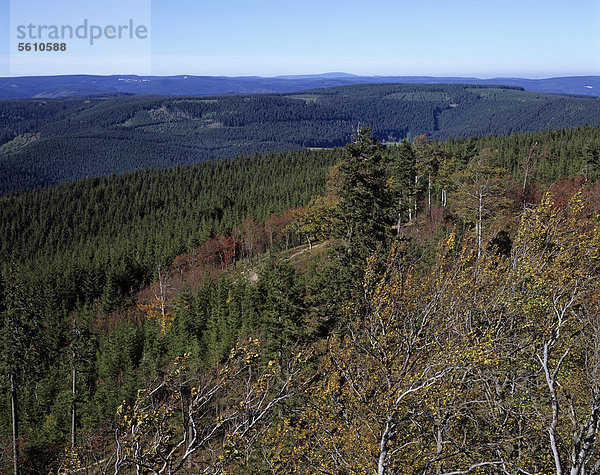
(412, 288)
(49, 141)
(77, 85)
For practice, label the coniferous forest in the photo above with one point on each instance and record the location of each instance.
(426, 305)
(44, 141)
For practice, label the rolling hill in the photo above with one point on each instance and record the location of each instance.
(77, 85)
(49, 141)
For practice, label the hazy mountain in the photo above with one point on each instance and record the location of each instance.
(64, 86)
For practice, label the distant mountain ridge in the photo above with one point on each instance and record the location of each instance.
(189, 85)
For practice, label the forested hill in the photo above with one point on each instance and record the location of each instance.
(49, 141)
(79, 85)
(443, 304)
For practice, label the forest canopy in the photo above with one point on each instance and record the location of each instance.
(49, 141)
(429, 306)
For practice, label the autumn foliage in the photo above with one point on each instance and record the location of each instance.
(479, 362)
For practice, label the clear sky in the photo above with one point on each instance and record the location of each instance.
(482, 38)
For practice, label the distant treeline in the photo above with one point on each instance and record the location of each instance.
(95, 238)
(50, 141)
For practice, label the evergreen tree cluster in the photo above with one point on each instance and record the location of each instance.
(49, 141)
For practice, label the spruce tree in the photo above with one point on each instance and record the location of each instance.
(19, 340)
(365, 204)
(366, 218)
(281, 304)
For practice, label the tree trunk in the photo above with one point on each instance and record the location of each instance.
(73, 405)
(479, 224)
(429, 194)
(15, 423)
(387, 435)
(399, 223)
(584, 440)
(416, 183)
(439, 447)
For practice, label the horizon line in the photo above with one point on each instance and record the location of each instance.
(333, 74)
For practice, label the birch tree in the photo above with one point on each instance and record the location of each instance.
(480, 193)
(363, 414)
(202, 422)
(556, 273)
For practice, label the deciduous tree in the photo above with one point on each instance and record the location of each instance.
(480, 193)
(203, 422)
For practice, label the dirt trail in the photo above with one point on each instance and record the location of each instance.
(316, 246)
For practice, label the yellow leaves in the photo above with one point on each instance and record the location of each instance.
(71, 461)
(475, 352)
(248, 352)
(446, 245)
(576, 203)
(556, 260)
(379, 368)
(454, 349)
(553, 232)
(317, 219)
(390, 182)
(157, 311)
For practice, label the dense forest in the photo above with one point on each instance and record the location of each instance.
(423, 307)
(189, 85)
(50, 141)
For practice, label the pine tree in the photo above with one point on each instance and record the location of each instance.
(365, 205)
(18, 345)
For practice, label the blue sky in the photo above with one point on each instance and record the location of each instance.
(526, 38)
